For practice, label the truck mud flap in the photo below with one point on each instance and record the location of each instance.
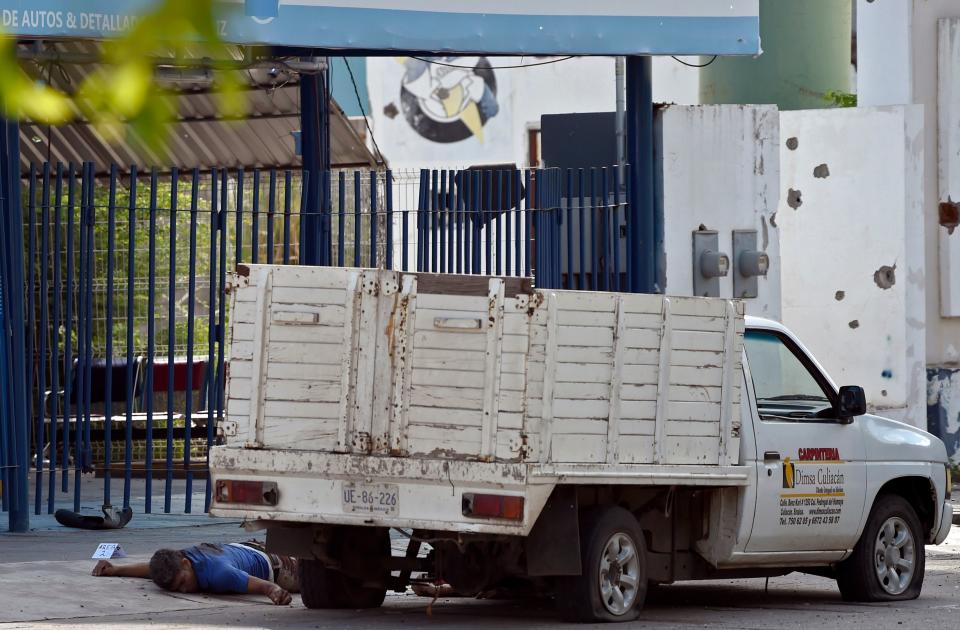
(553, 546)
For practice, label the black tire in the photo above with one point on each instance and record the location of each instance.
(358, 547)
(581, 598)
(859, 577)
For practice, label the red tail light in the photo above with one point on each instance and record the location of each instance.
(493, 506)
(247, 492)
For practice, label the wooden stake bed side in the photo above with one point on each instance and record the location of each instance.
(482, 369)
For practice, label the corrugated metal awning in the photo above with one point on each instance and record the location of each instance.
(199, 138)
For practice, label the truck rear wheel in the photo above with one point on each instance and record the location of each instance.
(364, 550)
(613, 582)
(888, 562)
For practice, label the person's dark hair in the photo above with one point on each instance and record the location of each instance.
(164, 566)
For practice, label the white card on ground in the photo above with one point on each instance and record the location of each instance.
(106, 551)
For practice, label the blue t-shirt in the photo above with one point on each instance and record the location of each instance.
(225, 568)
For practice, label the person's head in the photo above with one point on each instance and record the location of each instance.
(173, 571)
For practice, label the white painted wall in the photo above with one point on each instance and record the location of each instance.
(721, 170)
(584, 84)
(897, 51)
(860, 218)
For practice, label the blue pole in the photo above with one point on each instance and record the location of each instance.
(315, 135)
(171, 337)
(15, 404)
(151, 340)
(643, 254)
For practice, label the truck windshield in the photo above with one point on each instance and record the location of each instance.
(783, 385)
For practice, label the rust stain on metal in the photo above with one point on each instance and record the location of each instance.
(243, 270)
(949, 211)
(885, 277)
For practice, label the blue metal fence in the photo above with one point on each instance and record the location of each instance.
(126, 290)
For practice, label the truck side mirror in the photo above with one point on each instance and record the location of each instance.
(853, 402)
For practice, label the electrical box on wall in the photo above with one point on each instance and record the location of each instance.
(748, 264)
(709, 263)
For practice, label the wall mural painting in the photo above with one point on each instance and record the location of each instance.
(449, 104)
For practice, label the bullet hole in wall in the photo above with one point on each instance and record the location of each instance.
(793, 199)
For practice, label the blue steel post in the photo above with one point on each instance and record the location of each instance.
(212, 326)
(441, 224)
(131, 289)
(315, 137)
(357, 224)
(171, 337)
(191, 306)
(641, 220)
(42, 357)
(255, 220)
(287, 209)
(238, 235)
(68, 329)
(16, 402)
(271, 215)
(85, 182)
(374, 219)
(55, 346)
(108, 352)
(388, 187)
(341, 215)
(151, 341)
(458, 222)
(32, 324)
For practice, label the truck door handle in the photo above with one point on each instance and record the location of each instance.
(771, 456)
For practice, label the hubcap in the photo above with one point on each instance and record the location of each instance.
(894, 555)
(619, 574)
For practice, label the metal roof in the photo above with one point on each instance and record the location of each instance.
(199, 139)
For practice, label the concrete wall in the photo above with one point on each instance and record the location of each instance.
(898, 49)
(522, 96)
(852, 250)
(720, 170)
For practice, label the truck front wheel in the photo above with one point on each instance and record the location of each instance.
(888, 562)
(613, 582)
(362, 549)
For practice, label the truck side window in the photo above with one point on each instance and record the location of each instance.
(784, 387)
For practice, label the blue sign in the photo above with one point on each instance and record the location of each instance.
(541, 27)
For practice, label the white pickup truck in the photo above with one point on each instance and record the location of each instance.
(589, 443)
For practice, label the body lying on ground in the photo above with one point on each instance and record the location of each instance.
(215, 568)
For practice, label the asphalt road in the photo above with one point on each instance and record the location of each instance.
(45, 583)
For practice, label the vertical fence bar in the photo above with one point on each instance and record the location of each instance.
(325, 222)
(151, 340)
(191, 309)
(238, 237)
(287, 208)
(595, 257)
(374, 219)
(108, 353)
(605, 229)
(528, 224)
(55, 345)
(42, 357)
(466, 179)
(255, 223)
(507, 210)
(131, 289)
(434, 210)
(341, 215)
(68, 329)
(582, 232)
(271, 215)
(220, 381)
(441, 222)
(632, 232)
(542, 242)
(88, 317)
(171, 338)
(568, 215)
(32, 327)
(81, 351)
(486, 207)
(616, 228)
(450, 218)
(405, 239)
(477, 213)
(210, 376)
(388, 187)
(495, 222)
(517, 223)
(357, 223)
(418, 218)
(457, 224)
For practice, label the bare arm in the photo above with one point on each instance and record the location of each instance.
(107, 569)
(276, 594)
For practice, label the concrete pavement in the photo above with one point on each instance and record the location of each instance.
(45, 582)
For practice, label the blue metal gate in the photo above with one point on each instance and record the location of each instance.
(127, 286)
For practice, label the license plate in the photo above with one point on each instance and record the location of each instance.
(364, 498)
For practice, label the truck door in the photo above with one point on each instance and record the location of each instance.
(811, 473)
